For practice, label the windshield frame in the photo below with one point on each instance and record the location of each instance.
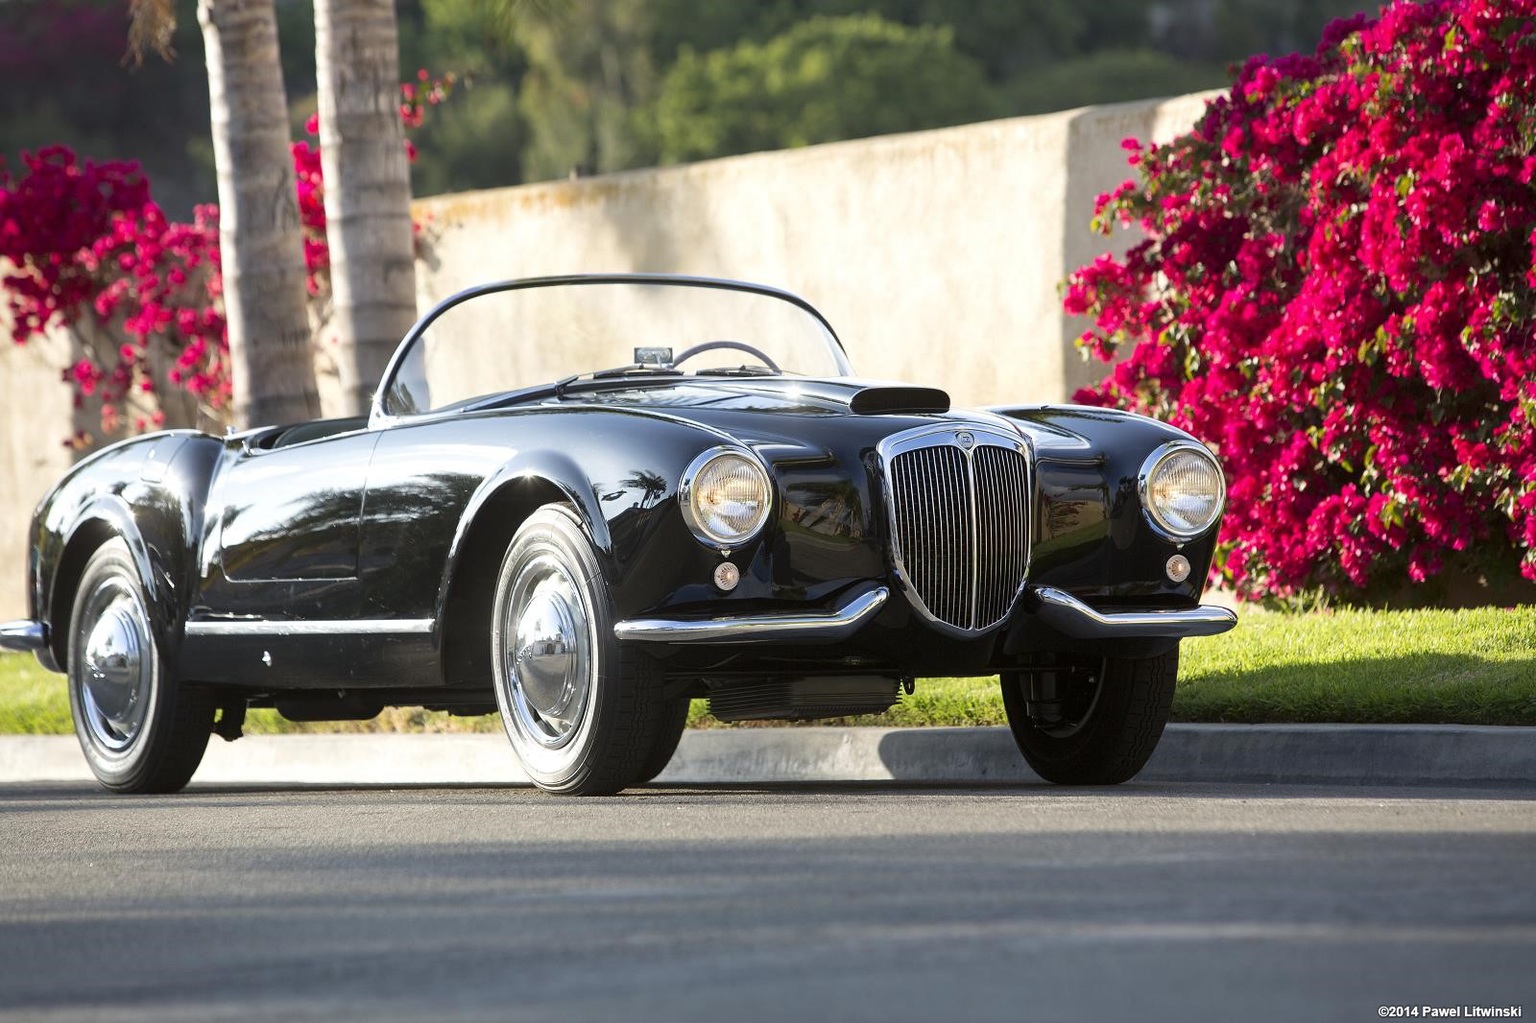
(379, 414)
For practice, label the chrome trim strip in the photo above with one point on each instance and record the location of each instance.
(245, 627)
(1068, 615)
(378, 417)
(23, 635)
(968, 449)
(806, 627)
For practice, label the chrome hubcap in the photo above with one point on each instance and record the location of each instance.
(548, 656)
(117, 676)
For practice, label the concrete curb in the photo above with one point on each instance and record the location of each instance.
(1327, 754)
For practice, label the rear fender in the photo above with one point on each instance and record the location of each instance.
(155, 505)
(100, 521)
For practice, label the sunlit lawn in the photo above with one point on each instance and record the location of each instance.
(1467, 667)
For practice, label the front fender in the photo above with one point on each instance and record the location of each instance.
(1092, 537)
(522, 485)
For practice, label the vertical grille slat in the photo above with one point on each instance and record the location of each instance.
(990, 530)
(1007, 536)
(956, 547)
(961, 526)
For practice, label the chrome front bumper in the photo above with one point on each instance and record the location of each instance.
(25, 635)
(798, 627)
(1050, 606)
(1071, 617)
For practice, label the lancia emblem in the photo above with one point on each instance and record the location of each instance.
(965, 440)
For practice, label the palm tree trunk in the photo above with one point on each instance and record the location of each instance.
(260, 244)
(367, 189)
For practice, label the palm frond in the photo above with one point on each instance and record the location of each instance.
(150, 26)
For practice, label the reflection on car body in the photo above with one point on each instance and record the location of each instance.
(584, 501)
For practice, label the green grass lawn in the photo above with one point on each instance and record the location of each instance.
(32, 701)
(1465, 667)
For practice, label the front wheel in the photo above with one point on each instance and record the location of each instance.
(584, 715)
(674, 721)
(141, 730)
(1093, 725)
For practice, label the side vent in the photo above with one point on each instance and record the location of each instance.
(800, 699)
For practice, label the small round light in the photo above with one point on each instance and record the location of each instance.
(1182, 489)
(1178, 568)
(727, 576)
(725, 497)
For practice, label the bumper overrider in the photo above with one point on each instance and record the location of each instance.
(24, 636)
(1052, 607)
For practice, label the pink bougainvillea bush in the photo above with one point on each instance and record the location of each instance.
(84, 246)
(83, 242)
(1337, 290)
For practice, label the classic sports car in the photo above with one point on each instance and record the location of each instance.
(722, 512)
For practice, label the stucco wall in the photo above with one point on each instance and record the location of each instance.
(37, 416)
(937, 255)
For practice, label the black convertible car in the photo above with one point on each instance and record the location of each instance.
(582, 501)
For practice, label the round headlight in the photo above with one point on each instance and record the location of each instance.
(725, 496)
(1182, 489)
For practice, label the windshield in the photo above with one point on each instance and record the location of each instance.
(529, 334)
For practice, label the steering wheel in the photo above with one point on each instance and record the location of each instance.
(740, 346)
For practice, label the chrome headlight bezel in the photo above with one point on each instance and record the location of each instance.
(688, 492)
(1160, 461)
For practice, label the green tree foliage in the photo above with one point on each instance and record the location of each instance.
(825, 79)
(550, 86)
(63, 81)
(589, 83)
(476, 138)
(1009, 38)
(1110, 76)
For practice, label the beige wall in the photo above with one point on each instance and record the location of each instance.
(937, 255)
(36, 418)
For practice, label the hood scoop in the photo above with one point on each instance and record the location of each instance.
(875, 401)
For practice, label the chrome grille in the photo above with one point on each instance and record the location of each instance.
(959, 506)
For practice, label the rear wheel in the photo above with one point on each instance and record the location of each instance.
(585, 715)
(1095, 725)
(141, 730)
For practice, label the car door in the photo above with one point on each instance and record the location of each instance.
(280, 603)
(285, 522)
(420, 482)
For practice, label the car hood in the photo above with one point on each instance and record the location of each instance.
(850, 413)
(777, 395)
(780, 409)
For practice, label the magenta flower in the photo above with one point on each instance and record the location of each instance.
(1337, 289)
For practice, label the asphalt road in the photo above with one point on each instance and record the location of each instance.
(1148, 902)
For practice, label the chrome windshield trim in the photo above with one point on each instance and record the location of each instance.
(805, 627)
(246, 627)
(1070, 616)
(23, 636)
(380, 416)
